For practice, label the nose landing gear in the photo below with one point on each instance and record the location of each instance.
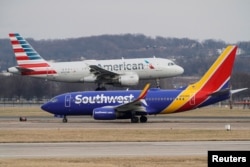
(158, 83)
(65, 120)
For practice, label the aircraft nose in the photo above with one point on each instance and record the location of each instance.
(46, 107)
(179, 70)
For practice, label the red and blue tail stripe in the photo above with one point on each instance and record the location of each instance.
(28, 60)
(22, 48)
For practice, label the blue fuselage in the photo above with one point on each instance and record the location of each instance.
(83, 103)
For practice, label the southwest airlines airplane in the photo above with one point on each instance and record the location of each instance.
(117, 72)
(213, 87)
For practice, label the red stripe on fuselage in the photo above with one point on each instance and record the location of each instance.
(34, 65)
(49, 72)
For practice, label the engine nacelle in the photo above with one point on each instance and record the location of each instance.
(90, 78)
(104, 113)
(129, 79)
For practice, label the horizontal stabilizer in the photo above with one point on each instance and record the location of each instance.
(226, 91)
(21, 69)
(220, 92)
(238, 90)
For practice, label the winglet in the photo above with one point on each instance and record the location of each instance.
(144, 91)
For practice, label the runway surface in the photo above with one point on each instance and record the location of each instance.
(116, 149)
(154, 122)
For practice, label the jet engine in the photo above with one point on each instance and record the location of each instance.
(129, 79)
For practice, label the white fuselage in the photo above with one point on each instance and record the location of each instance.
(80, 72)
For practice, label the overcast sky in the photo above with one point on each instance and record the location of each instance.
(227, 20)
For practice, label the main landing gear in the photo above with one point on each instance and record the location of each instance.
(65, 120)
(143, 119)
(100, 87)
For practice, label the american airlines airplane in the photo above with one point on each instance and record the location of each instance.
(117, 72)
(213, 87)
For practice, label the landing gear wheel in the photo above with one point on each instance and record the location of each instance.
(65, 120)
(103, 88)
(134, 119)
(158, 83)
(143, 119)
(100, 88)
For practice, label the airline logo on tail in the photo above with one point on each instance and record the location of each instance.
(28, 60)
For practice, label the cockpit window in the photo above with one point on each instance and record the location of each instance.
(54, 100)
(170, 64)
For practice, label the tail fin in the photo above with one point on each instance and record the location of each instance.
(28, 60)
(215, 82)
(219, 74)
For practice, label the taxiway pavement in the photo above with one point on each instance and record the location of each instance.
(116, 149)
(154, 122)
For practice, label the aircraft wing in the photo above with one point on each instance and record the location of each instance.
(103, 76)
(135, 105)
(100, 72)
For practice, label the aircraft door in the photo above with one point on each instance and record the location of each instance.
(67, 100)
(192, 100)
